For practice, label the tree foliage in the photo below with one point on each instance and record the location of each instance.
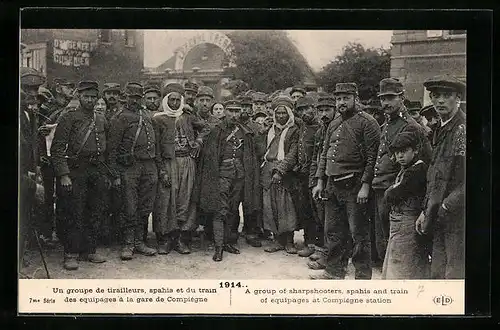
(266, 60)
(365, 67)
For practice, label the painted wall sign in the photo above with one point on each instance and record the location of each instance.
(73, 53)
(216, 38)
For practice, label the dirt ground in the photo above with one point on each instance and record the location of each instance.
(252, 263)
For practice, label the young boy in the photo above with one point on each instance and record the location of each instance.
(406, 256)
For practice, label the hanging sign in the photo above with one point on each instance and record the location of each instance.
(73, 53)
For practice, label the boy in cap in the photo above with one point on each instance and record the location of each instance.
(346, 166)
(407, 254)
(397, 121)
(229, 174)
(78, 155)
(444, 205)
(132, 154)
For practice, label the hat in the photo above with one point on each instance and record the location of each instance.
(259, 97)
(232, 104)
(191, 86)
(326, 102)
(305, 101)
(108, 87)
(403, 140)
(152, 87)
(445, 81)
(245, 100)
(297, 89)
(346, 88)
(390, 86)
(429, 111)
(31, 77)
(172, 87)
(282, 99)
(414, 106)
(64, 82)
(133, 89)
(205, 91)
(45, 93)
(86, 84)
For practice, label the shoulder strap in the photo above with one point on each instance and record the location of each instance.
(91, 127)
(137, 133)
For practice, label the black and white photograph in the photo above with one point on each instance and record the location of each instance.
(242, 154)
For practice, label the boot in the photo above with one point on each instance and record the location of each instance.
(164, 244)
(290, 248)
(92, 257)
(274, 247)
(218, 254)
(139, 245)
(315, 256)
(231, 249)
(252, 240)
(70, 261)
(181, 247)
(307, 251)
(127, 251)
(316, 265)
(324, 276)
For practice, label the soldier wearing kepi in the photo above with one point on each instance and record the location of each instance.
(346, 166)
(397, 121)
(259, 102)
(111, 93)
(444, 204)
(78, 153)
(229, 175)
(326, 113)
(152, 97)
(190, 91)
(132, 152)
(301, 195)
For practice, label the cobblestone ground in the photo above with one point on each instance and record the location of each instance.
(252, 263)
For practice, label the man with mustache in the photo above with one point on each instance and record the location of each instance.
(132, 155)
(397, 120)
(111, 93)
(308, 126)
(443, 215)
(325, 108)
(152, 97)
(345, 170)
(190, 91)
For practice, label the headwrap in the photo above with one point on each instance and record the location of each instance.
(166, 110)
(272, 132)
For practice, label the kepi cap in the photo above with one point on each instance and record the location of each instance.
(205, 91)
(414, 106)
(86, 85)
(133, 89)
(305, 101)
(232, 104)
(191, 86)
(108, 87)
(346, 88)
(63, 82)
(390, 86)
(31, 77)
(152, 87)
(259, 97)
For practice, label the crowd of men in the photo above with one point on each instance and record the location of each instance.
(383, 189)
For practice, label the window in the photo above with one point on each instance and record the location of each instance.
(106, 36)
(457, 32)
(434, 33)
(130, 38)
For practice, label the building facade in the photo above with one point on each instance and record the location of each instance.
(101, 55)
(419, 54)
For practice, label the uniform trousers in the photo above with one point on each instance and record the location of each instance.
(139, 184)
(48, 179)
(226, 220)
(347, 229)
(303, 202)
(381, 224)
(83, 207)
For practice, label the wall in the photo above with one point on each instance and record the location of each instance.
(109, 62)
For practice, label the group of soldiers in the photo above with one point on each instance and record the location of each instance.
(386, 190)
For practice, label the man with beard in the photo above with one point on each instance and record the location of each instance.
(190, 91)
(152, 97)
(174, 211)
(444, 206)
(111, 92)
(78, 154)
(229, 175)
(259, 102)
(397, 121)
(301, 195)
(346, 166)
(132, 153)
(325, 108)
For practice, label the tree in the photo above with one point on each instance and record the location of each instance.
(266, 60)
(365, 67)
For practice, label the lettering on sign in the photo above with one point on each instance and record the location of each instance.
(73, 53)
(216, 38)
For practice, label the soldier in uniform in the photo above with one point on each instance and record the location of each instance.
(346, 165)
(259, 102)
(152, 98)
(301, 194)
(325, 108)
(132, 152)
(190, 91)
(111, 92)
(444, 205)
(432, 119)
(229, 175)
(78, 154)
(297, 92)
(414, 111)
